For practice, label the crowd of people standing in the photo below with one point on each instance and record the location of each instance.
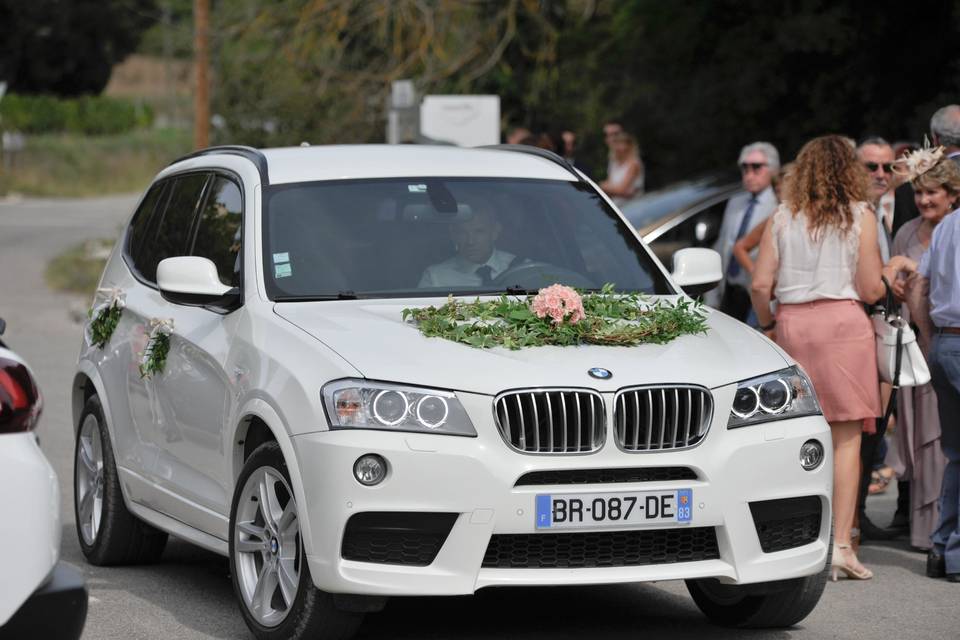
(852, 223)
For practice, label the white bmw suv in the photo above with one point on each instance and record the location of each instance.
(251, 383)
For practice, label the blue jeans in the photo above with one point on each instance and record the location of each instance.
(945, 370)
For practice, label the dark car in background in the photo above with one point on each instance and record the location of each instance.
(684, 214)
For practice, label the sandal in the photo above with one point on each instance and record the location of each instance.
(880, 480)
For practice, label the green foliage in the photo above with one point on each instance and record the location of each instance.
(70, 165)
(68, 48)
(155, 355)
(104, 324)
(694, 80)
(612, 319)
(87, 115)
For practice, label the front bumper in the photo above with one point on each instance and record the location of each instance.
(55, 611)
(474, 478)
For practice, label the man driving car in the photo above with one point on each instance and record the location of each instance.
(477, 261)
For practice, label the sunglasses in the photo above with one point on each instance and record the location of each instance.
(873, 166)
(752, 166)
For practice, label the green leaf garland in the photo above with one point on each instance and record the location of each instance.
(614, 319)
(154, 356)
(104, 323)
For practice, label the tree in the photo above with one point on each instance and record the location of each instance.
(68, 47)
(320, 70)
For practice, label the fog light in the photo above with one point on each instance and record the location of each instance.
(811, 454)
(370, 469)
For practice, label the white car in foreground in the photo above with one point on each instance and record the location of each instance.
(293, 420)
(39, 596)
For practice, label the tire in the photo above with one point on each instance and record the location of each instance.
(109, 534)
(765, 605)
(787, 603)
(268, 550)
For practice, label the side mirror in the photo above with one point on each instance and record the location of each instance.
(697, 270)
(193, 280)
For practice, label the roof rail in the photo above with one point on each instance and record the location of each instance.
(253, 155)
(546, 154)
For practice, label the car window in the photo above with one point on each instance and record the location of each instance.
(168, 237)
(699, 230)
(141, 221)
(219, 229)
(432, 236)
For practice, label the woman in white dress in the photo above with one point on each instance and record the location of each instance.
(625, 171)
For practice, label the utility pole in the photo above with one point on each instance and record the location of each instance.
(201, 56)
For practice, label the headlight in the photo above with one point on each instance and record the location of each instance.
(775, 396)
(361, 404)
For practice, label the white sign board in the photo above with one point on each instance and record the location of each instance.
(467, 121)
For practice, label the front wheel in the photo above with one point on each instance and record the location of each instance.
(773, 605)
(778, 604)
(267, 561)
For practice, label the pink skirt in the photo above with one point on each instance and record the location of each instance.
(833, 342)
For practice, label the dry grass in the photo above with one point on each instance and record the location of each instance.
(78, 269)
(71, 165)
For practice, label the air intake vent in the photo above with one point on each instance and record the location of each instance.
(551, 421)
(596, 549)
(658, 418)
(606, 476)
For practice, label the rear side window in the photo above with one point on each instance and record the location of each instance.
(219, 229)
(168, 237)
(140, 224)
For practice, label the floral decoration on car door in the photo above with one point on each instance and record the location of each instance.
(154, 356)
(104, 318)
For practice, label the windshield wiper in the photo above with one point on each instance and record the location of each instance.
(340, 295)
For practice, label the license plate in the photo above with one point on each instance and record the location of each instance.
(635, 508)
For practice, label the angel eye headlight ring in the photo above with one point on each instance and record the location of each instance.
(394, 417)
(778, 387)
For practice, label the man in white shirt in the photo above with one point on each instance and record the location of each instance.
(876, 154)
(759, 162)
(478, 262)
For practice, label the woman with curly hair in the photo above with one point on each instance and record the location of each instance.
(820, 255)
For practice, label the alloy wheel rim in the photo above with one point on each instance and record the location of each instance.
(89, 479)
(267, 548)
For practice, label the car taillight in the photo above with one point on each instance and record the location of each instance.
(20, 401)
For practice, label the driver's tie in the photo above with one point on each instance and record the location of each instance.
(484, 273)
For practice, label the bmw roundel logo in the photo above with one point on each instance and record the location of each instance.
(600, 373)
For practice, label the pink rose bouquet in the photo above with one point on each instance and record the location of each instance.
(558, 302)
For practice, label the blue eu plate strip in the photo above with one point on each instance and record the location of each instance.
(684, 505)
(544, 508)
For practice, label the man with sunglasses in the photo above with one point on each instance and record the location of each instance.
(759, 162)
(876, 154)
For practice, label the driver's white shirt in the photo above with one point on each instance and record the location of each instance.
(460, 272)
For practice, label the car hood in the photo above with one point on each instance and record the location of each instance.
(373, 337)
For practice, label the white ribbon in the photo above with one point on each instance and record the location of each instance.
(113, 295)
(160, 325)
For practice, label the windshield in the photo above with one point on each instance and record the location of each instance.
(438, 236)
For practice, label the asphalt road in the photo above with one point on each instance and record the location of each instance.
(188, 595)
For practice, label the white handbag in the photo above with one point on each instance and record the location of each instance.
(899, 358)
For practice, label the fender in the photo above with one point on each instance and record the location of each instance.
(89, 370)
(263, 410)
